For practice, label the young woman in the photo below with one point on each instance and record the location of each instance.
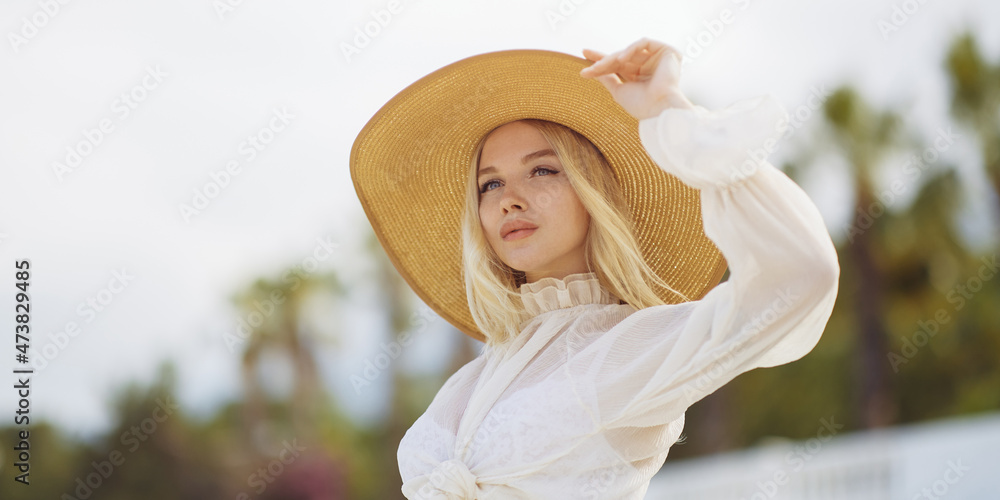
(575, 226)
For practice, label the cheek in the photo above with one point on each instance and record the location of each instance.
(568, 204)
(582, 220)
(576, 219)
(487, 223)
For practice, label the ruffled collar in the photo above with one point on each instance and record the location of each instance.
(549, 294)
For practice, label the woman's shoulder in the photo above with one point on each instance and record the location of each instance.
(654, 321)
(468, 374)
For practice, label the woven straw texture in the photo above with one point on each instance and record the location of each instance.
(409, 165)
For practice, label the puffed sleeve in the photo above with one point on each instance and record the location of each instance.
(783, 269)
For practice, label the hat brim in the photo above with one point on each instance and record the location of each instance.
(409, 165)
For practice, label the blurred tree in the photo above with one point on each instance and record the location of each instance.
(396, 300)
(975, 100)
(400, 303)
(864, 138)
(902, 268)
(923, 271)
(55, 459)
(151, 450)
(274, 311)
(278, 305)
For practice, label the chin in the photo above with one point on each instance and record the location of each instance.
(522, 263)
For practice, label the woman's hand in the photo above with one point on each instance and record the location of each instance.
(643, 78)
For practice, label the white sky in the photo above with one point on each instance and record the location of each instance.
(222, 79)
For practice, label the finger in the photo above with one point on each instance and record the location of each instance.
(670, 49)
(632, 70)
(675, 57)
(604, 60)
(610, 82)
(646, 59)
(594, 71)
(644, 64)
(592, 55)
(648, 62)
(669, 57)
(643, 44)
(602, 67)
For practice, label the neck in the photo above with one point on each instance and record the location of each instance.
(531, 277)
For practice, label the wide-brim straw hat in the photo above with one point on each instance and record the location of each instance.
(410, 164)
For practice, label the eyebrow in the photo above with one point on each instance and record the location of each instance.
(525, 159)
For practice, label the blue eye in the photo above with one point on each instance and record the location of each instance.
(483, 187)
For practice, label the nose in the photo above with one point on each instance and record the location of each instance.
(513, 199)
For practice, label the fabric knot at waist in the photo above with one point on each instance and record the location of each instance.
(450, 480)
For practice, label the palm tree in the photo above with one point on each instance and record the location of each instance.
(276, 309)
(864, 138)
(975, 100)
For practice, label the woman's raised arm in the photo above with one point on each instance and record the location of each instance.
(783, 281)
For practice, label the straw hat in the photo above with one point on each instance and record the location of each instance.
(410, 161)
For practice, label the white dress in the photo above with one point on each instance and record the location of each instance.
(588, 399)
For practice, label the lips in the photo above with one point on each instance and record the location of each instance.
(518, 234)
(514, 225)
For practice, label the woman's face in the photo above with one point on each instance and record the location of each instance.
(520, 179)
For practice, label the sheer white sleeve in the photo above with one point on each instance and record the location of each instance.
(783, 269)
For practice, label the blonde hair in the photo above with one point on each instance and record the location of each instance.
(611, 249)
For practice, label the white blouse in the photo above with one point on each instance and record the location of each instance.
(588, 399)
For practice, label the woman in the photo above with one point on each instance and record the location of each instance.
(592, 217)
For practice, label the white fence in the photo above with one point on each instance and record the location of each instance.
(951, 459)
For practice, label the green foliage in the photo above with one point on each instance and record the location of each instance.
(937, 316)
(938, 297)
